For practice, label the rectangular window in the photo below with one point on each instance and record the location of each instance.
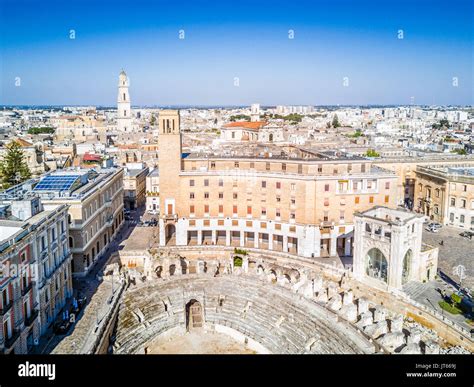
(371, 199)
(283, 167)
(277, 213)
(267, 166)
(293, 186)
(387, 199)
(300, 168)
(387, 185)
(191, 195)
(252, 165)
(264, 211)
(264, 184)
(278, 185)
(292, 215)
(320, 168)
(213, 165)
(236, 164)
(234, 195)
(206, 182)
(221, 183)
(221, 195)
(356, 200)
(341, 215)
(191, 209)
(206, 195)
(206, 209)
(191, 183)
(249, 210)
(278, 199)
(326, 188)
(234, 209)
(221, 209)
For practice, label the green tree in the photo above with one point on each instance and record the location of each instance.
(335, 122)
(372, 153)
(13, 167)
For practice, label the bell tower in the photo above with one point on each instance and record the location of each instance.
(169, 162)
(124, 113)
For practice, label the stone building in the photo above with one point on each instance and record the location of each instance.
(95, 215)
(134, 186)
(298, 206)
(388, 248)
(254, 131)
(446, 194)
(153, 190)
(35, 273)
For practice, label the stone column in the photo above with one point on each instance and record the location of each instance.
(214, 237)
(227, 238)
(285, 244)
(162, 233)
(270, 241)
(317, 242)
(333, 247)
(199, 241)
(242, 239)
(255, 239)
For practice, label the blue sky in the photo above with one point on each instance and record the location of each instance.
(248, 40)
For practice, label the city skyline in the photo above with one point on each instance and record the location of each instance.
(331, 54)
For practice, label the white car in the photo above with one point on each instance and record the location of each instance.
(153, 212)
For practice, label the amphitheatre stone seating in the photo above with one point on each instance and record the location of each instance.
(272, 315)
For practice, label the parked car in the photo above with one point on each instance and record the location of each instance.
(467, 234)
(432, 229)
(61, 327)
(435, 225)
(153, 212)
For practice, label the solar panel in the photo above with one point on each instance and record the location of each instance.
(56, 183)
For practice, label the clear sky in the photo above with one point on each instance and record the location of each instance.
(334, 41)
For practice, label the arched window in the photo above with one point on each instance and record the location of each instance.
(376, 265)
(406, 266)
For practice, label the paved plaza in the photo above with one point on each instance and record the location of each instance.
(455, 250)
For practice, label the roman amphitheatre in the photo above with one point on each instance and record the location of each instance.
(228, 300)
(223, 301)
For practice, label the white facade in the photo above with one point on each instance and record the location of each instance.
(388, 249)
(124, 113)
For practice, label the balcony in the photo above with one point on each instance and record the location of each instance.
(10, 342)
(108, 203)
(6, 308)
(109, 220)
(25, 290)
(31, 318)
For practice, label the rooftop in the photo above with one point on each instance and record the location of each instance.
(246, 124)
(390, 215)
